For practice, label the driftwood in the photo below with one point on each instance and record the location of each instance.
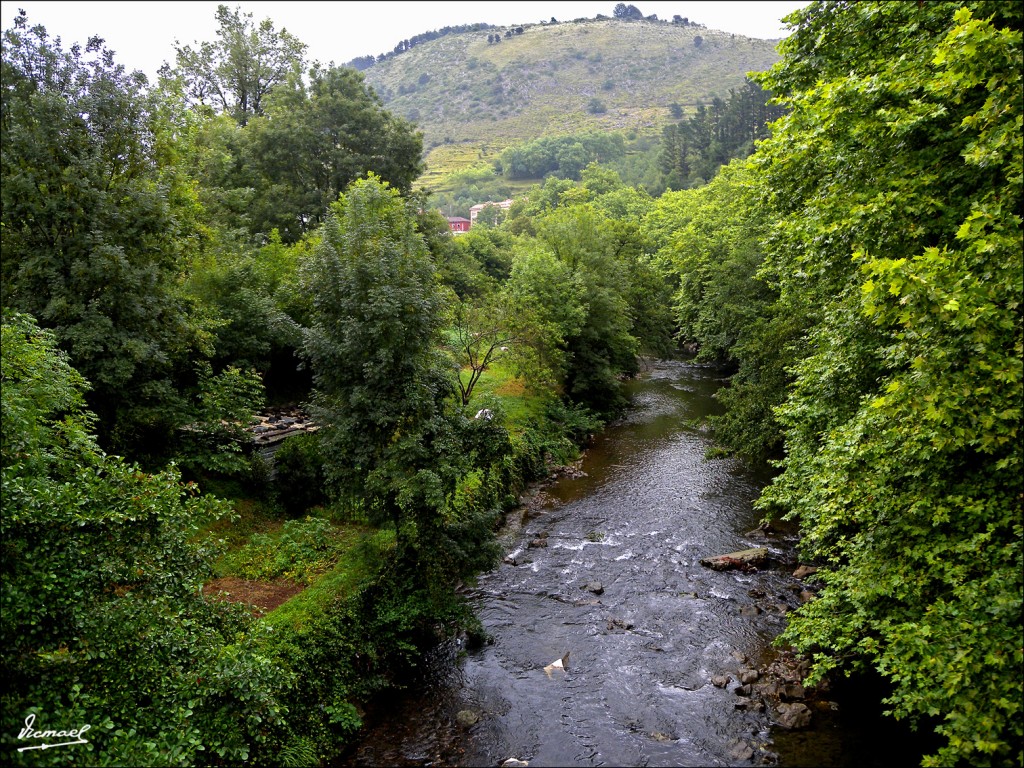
(744, 560)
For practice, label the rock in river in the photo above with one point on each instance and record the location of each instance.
(467, 717)
(794, 715)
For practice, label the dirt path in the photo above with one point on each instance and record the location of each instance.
(261, 596)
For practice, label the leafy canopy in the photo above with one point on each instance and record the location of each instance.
(103, 621)
(894, 188)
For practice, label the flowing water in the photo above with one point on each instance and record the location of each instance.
(613, 579)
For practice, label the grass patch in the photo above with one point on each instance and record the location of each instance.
(500, 385)
(299, 550)
(358, 562)
(511, 388)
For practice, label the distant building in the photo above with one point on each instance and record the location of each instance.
(504, 205)
(458, 224)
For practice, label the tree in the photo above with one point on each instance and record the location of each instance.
(97, 220)
(374, 347)
(390, 431)
(546, 301)
(603, 348)
(291, 163)
(627, 12)
(893, 190)
(479, 336)
(696, 147)
(238, 71)
(489, 216)
(257, 306)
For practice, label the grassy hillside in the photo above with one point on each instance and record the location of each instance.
(472, 98)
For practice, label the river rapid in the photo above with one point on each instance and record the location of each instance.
(603, 565)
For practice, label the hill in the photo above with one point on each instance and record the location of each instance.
(472, 98)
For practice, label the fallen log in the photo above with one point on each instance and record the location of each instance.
(744, 560)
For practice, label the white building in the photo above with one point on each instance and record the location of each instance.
(504, 205)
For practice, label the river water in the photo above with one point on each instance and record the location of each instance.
(613, 579)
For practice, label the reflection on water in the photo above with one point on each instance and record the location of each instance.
(619, 587)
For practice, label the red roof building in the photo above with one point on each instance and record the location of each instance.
(458, 224)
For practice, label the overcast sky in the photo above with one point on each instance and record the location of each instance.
(142, 34)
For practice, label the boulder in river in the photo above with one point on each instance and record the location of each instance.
(741, 751)
(747, 675)
(513, 762)
(467, 717)
(804, 571)
(749, 705)
(792, 692)
(593, 586)
(793, 715)
(744, 559)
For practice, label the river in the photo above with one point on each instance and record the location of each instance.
(605, 566)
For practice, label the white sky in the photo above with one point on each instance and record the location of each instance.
(142, 34)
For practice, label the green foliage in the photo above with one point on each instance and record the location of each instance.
(564, 156)
(236, 73)
(284, 168)
(547, 302)
(695, 148)
(217, 440)
(593, 250)
(95, 225)
(460, 261)
(479, 337)
(894, 189)
(302, 550)
(711, 239)
(103, 623)
(255, 301)
(373, 347)
(461, 190)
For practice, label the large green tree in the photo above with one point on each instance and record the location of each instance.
(894, 197)
(236, 73)
(597, 252)
(96, 221)
(314, 141)
(383, 393)
(285, 167)
(374, 346)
